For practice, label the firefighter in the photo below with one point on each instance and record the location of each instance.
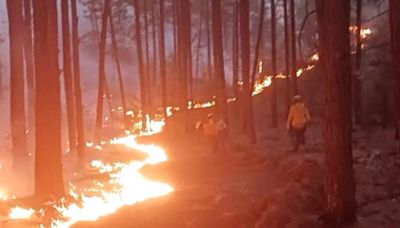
(213, 129)
(297, 121)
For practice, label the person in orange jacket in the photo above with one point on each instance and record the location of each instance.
(297, 121)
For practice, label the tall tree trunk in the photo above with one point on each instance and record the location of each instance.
(147, 52)
(184, 43)
(235, 50)
(142, 76)
(287, 54)
(163, 68)
(247, 91)
(219, 56)
(394, 7)
(188, 44)
(200, 36)
(28, 52)
(17, 87)
(175, 10)
(274, 102)
(102, 74)
(119, 71)
(154, 33)
(334, 18)
(356, 77)
(77, 85)
(68, 78)
(48, 161)
(293, 40)
(258, 45)
(209, 60)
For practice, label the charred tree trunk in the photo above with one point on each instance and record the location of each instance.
(274, 102)
(142, 76)
(235, 50)
(219, 56)
(119, 71)
(247, 91)
(28, 52)
(67, 72)
(163, 68)
(356, 77)
(77, 85)
(102, 75)
(17, 87)
(334, 18)
(49, 182)
(287, 55)
(293, 42)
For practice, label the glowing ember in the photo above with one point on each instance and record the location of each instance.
(21, 213)
(365, 33)
(315, 57)
(89, 144)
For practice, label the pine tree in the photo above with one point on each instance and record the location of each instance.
(77, 85)
(245, 50)
(68, 77)
(48, 160)
(17, 87)
(334, 18)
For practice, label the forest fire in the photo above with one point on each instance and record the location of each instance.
(127, 186)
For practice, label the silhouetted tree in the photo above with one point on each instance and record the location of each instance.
(28, 53)
(287, 54)
(48, 161)
(142, 76)
(77, 85)
(293, 48)
(394, 9)
(356, 77)
(334, 18)
(235, 49)
(247, 90)
(17, 87)
(67, 72)
(119, 70)
(274, 97)
(102, 75)
(163, 67)
(218, 55)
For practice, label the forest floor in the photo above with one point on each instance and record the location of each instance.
(266, 185)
